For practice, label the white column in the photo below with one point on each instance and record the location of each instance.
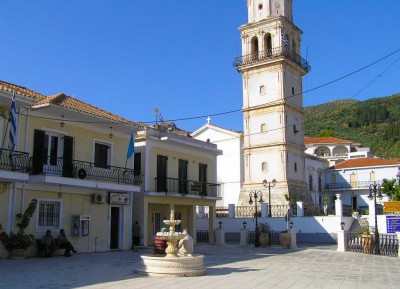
(293, 242)
(300, 210)
(231, 209)
(243, 236)
(398, 238)
(338, 206)
(342, 240)
(264, 210)
(219, 236)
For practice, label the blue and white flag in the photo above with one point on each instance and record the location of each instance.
(131, 147)
(13, 125)
(284, 39)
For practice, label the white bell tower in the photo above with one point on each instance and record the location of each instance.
(273, 116)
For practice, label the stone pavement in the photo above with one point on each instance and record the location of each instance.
(230, 267)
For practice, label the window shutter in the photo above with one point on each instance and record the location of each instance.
(67, 156)
(38, 152)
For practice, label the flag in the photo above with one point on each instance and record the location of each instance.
(284, 39)
(131, 147)
(13, 125)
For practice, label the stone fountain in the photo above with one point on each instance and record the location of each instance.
(172, 264)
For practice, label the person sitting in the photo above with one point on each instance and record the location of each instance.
(63, 243)
(185, 245)
(48, 244)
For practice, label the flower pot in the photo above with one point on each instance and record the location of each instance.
(263, 237)
(16, 254)
(284, 239)
(367, 243)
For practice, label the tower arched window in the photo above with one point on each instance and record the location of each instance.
(268, 44)
(264, 166)
(263, 128)
(319, 184)
(310, 183)
(254, 48)
(293, 45)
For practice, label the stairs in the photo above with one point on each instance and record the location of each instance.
(358, 224)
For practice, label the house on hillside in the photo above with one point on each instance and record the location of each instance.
(352, 178)
(71, 157)
(179, 173)
(335, 150)
(230, 163)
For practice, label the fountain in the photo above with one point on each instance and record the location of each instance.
(172, 264)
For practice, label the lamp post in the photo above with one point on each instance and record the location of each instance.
(256, 195)
(398, 177)
(374, 192)
(268, 184)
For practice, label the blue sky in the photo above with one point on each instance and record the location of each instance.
(130, 56)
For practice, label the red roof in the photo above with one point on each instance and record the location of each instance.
(324, 140)
(365, 162)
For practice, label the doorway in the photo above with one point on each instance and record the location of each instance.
(114, 228)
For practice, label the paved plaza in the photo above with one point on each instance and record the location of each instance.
(230, 266)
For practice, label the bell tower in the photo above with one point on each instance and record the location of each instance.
(272, 69)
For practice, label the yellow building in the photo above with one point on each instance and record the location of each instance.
(72, 158)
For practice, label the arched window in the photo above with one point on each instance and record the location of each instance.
(263, 128)
(295, 167)
(264, 166)
(254, 48)
(293, 45)
(310, 183)
(319, 184)
(268, 44)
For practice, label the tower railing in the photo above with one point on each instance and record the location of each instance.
(271, 54)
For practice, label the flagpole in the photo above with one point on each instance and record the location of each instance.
(8, 121)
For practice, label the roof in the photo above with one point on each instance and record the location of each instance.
(6, 86)
(216, 127)
(66, 101)
(365, 162)
(327, 140)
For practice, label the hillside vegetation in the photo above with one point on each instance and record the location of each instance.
(374, 123)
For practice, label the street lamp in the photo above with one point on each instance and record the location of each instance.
(256, 195)
(398, 177)
(268, 184)
(374, 192)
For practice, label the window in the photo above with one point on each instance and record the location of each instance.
(292, 90)
(295, 167)
(49, 215)
(183, 176)
(268, 44)
(310, 183)
(101, 155)
(203, 179)
(254, 48)
(264, 128)
(319, 184)
(262, 89)
(137, 164)
(52, 149)
(295, 130)
(264, 166)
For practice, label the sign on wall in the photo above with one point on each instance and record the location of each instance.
(391, 207)
(118, 198)
(393, 224)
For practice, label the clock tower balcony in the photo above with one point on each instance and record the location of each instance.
(271, 55)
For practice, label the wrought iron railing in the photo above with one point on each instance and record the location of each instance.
(272, 54)
(249, 211)
(349, 185)
(14, 161)
(388, 244)
(86, 170)
(202, 236)
(186, 187)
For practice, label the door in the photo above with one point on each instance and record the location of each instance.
(114, 230)
(203, 179)
(157, 223)
(162, 173)
(354, 202)
(183, 168)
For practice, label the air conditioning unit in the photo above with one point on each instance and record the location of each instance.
(98, 199)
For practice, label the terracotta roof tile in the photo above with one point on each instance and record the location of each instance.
(365, 162)
(6, 86)
(72, 103)
(327, 140)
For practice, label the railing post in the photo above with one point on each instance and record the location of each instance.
(243, 236)
(338, 206)
(342, 240)
(264, 210)
(300, 209)
(219, 236)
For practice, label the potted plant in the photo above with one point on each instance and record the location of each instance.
(366, 239)
(264, 230)
(18, 243)
(284, 239)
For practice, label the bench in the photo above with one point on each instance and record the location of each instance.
(40, 249)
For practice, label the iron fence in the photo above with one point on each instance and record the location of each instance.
(388, 244)
(188, 187)
(14, 161)
(271, 54)
(202, 235)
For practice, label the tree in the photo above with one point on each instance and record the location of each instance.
(390, 189)
(325, 133)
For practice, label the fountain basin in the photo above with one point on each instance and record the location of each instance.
(173, 266)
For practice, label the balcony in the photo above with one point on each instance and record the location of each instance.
(188, 187)
(89, 171)
(350, 185)
(272, 54)
(14, 161)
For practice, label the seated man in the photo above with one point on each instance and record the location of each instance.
(49, 246)
(185, 245)
(63, 243)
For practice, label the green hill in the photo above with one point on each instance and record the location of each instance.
(374, 123)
